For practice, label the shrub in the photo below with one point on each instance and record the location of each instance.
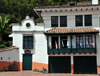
(3, 46)
(8, 43)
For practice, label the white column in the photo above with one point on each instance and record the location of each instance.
(68, 38)
(84, 41)
(59, 41)
(49, 39)
(74, 39)
(58, 21)
(83, 21)
(71, 60)
(93, 41)
(72, 65)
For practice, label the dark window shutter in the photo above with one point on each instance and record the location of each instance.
(79, 20)
(54, 21)
(88, 20)
(63, 21)
(27, 42)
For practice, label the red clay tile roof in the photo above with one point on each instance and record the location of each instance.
(77, 4)
(71, 30)
(8, 49)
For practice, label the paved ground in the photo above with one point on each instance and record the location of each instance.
(31, 73)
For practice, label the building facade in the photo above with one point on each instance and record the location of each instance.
(72, 32)
(66, 42)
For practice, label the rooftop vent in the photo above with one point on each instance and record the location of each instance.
(94, 2)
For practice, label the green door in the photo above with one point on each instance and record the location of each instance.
(85, 65)
(27, 61)
(59, 64)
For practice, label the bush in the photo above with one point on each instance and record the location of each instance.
(3, 46)
(38, 20)
(8, 43)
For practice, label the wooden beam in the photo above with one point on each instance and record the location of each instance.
(97, 8)
(45, 10)
(65, 9)
(91, 8)
(50, 10)
(60, 10)
(55, 10)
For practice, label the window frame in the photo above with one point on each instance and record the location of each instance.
(77, 22)
(63, 21)
(28, 42)
(79, 42)
(63, 41)
(88, 41)
(52, 21)
(87, 24)
(53, 46)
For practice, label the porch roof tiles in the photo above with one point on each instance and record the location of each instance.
(71, 30)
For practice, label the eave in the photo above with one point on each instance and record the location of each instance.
(65, 9)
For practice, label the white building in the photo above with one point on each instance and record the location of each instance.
(67, 42)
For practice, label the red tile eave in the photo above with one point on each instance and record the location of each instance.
(71, 30)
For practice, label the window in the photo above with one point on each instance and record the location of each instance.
(63, 41)
(53, 42)
(88, 41)
(54, 21)
(79, 20)
(27, 42)
(79, 41)
(63, 21)
(88, 20)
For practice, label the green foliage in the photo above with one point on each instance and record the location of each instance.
(4, 19)
(8, 43)
(38, 20)
(14, 11)
(3, 46)
(19, 9)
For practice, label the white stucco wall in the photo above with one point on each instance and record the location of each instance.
(71, 18)
(98, 49)
(39, 51)
(39, 46)
(12, 54)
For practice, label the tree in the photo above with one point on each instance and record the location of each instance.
(4, 20)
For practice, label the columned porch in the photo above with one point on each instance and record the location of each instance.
(72, 44)
(77, 46)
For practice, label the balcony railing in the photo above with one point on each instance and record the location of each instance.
(64, 50)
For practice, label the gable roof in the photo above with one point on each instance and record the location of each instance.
(71, 30)
(77, 4)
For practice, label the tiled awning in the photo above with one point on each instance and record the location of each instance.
(74, 30)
